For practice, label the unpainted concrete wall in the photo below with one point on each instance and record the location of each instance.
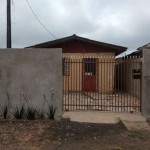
(146, 83)
(33, 72)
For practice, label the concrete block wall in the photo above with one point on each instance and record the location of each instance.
(133, 86)
(146, 83)
(33, 72)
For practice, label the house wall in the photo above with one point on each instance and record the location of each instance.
(105, 71)
(34, 72)
(133, 86)
(124, 76)
(76, 46)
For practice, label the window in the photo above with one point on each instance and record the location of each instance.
(65, 66)
(136, 73)
(90, 66)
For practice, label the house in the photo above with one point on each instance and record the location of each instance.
(88, 65)
(131, 72)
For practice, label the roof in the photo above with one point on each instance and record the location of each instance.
(135, 53)
(49, 44)
(146, 46)
(139, 51)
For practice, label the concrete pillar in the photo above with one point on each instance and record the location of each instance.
(146, 83)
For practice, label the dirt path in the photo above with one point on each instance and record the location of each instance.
(65, 135)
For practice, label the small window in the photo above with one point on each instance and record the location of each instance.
(136, 73)
(90, 66)
(65, 66)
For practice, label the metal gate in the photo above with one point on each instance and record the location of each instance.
(102, 84)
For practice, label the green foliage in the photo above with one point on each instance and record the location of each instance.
(30, 113)
(6, 106)
(19, 112)
(51, 109)
(40, 114)
(51, 112)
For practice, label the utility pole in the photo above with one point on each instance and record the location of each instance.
(8, 23)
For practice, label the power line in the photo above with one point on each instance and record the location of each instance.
(39, 20)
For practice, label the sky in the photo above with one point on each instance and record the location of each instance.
(119, 22)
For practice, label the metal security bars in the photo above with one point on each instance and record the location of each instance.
(102, 84)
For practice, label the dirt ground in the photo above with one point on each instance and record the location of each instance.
(65, 135)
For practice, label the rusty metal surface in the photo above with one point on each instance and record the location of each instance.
(103, 85)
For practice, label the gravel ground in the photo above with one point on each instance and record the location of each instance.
(66, 135)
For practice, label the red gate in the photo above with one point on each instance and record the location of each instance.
(102, 84)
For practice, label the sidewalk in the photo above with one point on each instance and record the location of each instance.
(132, 121)
(103, 117)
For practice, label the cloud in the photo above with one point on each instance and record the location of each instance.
(124, 22)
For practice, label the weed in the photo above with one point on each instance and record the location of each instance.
(5, 111)
(51, 112)
(132, 135)
(19, 112)
(30, 113)
(40, 114)
(51, 109)
(53, 138)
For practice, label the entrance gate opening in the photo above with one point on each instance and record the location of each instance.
(102, 84)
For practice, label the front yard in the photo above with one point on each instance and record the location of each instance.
(65, 135)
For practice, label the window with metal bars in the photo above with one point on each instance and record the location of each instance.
(136, 73)
(65, 66)
(90, 66)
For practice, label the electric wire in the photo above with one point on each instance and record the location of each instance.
(39, 20)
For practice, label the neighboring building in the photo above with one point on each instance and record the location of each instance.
(131, 71)
(139, 51)
(83, 66)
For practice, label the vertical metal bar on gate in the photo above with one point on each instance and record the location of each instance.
(73, 82)
(71, 103)
(115, 84)
(112, 81)
(124, 84)
(127, 83)
(68, 83)
(63, 87)
(84, 63)
(134, 68)
(138, 93)
(116, 89)
(79, 84)
(104, 85)
(108, 84)
(91, 70)
(121, 84)
(118, 82)
(101, 81)
(141, 87)
(137, 89)
(75, 88)
(98, 81)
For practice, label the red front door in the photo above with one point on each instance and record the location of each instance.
(89, 74)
